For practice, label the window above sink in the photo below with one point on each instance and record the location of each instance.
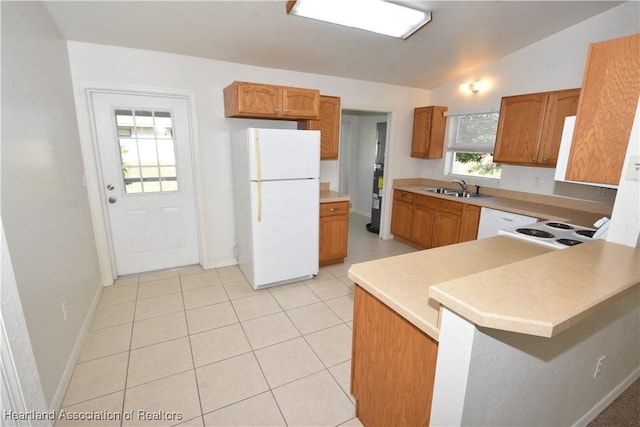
(470, 142)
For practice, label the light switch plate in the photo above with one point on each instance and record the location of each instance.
(633, 169)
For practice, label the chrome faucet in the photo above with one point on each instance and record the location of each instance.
(462, 184)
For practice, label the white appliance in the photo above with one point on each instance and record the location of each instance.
(553, 234)
(277, 203)
(563, 155)
(493, 220)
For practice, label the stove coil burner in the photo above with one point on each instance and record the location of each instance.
(586, 233)
(535, 233)
(559, 225)
(568, 242)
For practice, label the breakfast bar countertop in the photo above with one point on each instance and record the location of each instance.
(502, 283)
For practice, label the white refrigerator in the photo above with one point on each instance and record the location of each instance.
(277, 202)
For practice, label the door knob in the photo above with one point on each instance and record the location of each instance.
(112, 199)
(110, 187)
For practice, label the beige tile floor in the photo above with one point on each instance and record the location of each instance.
(193, 347)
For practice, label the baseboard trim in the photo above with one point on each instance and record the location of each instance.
(608, 399)
(58, 397)
(220, 263)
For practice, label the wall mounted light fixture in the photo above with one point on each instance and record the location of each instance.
(474, 87)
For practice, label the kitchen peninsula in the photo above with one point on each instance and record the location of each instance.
(515, 326)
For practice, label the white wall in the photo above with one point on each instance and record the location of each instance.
(554, 63)
(44, 203)
(516, 379)
(100, 65)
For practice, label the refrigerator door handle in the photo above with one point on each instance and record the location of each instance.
(259, 173)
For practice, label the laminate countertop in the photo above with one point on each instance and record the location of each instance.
(328, 196)
(502, 283)
(524, 207)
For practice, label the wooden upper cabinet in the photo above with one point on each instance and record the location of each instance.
(530, 127)
(262, 101)
(608, 102)
(560, 104)
(429, 125)
(300, 103)
(329, 126)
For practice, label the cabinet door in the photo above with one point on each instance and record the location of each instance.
(608, 101)
(401, 213)
(258, 99)
(334, 231)
(392, 368)
(469, 223)
(446, 227)
(300, 103)
(422, 226)
(559, 105)
(329, 126)
(429, 125)
(520, 128)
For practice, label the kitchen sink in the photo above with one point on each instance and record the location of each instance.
(450, 192)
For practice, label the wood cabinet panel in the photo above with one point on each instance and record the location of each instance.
(299, 103)
(263, 101)
(422, 226)
(392, 366)
(446, 228)
(469, 223)
(334, 232)
(429, 125)
(559, 105)
(530, 127)
(401, 213)
(609, 98)
(329, 126)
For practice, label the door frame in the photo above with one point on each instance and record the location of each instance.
(93, 179)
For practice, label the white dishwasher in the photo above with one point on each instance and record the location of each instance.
(492, 220)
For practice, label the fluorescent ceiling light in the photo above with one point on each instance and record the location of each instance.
(378, 16)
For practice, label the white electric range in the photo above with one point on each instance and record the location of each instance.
(554, 234)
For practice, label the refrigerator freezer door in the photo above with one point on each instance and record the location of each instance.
(283, 154)
(284, 240)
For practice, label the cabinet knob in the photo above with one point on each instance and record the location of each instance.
(544, 160)
(533, 159)
(276, 110)
(332, 210)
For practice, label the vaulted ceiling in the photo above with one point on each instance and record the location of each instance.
(462, 35)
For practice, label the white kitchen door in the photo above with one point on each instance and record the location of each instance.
(144, 152)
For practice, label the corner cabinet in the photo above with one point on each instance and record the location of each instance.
(393, 366)
(429, 125)
(608, 102)
(530, 127)
(262, 101)
(334, 232)
(329, 126)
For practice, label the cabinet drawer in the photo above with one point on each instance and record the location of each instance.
(403, 196)
(334, 208)
(439, 204)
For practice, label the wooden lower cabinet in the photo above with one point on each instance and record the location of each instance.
(392, 366)
(334, 232)
(469, 223)
(401, 213)
(429, 222)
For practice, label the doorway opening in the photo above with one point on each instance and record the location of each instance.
(361, 165)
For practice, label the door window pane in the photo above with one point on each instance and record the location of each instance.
(147, 151)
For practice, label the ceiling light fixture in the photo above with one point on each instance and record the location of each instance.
(378, 16)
